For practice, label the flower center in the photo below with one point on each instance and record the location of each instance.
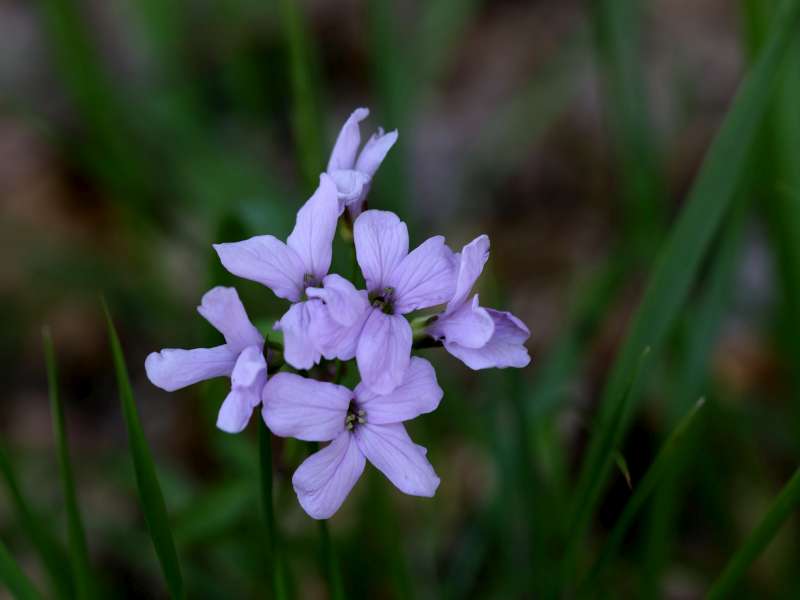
(383, 300)
(310, 280)
(355, 416)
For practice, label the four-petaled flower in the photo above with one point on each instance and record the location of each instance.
(353, 171)
(360, 425)
(288, 269)
(398, 282)
(480, 337)
(241, 357)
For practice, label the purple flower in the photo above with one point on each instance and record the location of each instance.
(241, 358)
(288, 269)
(360, 425)
(370, 325)
(480, 337)
(353, 171)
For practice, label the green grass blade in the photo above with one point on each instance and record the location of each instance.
(52, 555)
(18, 583)
(702, 326)
(279, 584)
(611, 443)
(619, 55)
(306, 117)
(398, 97)
(150, 495)
(110, 151)
(78, 550)
(784, 506)
(681, 257)
(661, 465)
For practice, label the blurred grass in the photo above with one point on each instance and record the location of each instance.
(680, 259)
(662, 465)
(620, 56)
(785, 505)
(37, 530)
(18, 583)
(78, 549)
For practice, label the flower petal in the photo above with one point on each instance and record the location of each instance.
(330, 337)
(174, 368)
(222, 308)
(375, 150)
(350, 185)
(268, 261)
(384, 351)
(389, 448)
(312, 236)
(470, 325)
(299, 349)
(381, 240)
(345, 302)
(324, 479)
(418, 394)
(305, 409)
(504, 349)
(344, 151)
(470, 266)
(424, 278)
(247, 382)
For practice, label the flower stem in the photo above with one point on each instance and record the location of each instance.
(279, 587)
(330, 561)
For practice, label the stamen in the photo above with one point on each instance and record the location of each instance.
(355, 416)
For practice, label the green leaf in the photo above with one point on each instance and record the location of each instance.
(51, 553)
(660, 466)
(680, 260)
(784, 506)
(78, 550)
(10, 573)
(150, 496)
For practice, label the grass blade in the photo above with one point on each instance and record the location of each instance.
(681, 257)
(660, 466)
(78, 550)
(279, 584)
(18, 583)
(150, 495)
(306, 118)
(617, 41)
(50, 552)
(611, 443)
(782, 508)
(702, 326)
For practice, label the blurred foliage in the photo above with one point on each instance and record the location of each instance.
(134, 134)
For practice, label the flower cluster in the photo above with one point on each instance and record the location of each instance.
(330, 319)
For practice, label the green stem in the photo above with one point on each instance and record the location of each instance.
(330, 561)
(279, 587)
(782, 508)
(79, 552)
